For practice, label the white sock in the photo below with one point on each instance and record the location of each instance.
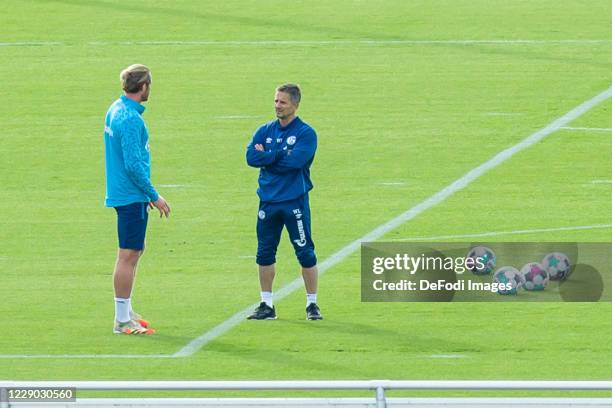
(267, 298)
(122, 309)
(311, 298)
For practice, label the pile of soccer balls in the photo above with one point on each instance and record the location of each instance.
(533, 276)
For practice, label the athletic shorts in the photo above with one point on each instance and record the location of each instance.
(293, 214)
(132, 225)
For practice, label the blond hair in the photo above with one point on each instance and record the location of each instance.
(134, 76)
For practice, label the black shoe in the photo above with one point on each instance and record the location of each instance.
(313, 312)
(263, 312)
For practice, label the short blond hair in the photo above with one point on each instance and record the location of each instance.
(134, 76)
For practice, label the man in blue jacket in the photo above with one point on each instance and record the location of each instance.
(129, 189)
(283, 150)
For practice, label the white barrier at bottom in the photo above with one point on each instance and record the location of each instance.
(379, 386)
(460, 402)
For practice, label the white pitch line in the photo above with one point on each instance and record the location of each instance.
(393, 183)
(592, 182)
(239, 317)
(318, 42)
(588, 129)
(498, 233)
(29, 43)
(447, 356)
(359, 42)
(77, 356)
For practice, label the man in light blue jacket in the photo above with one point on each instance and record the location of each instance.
(129, 189)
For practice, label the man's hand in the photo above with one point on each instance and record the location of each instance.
(259, 147)
(162, 206)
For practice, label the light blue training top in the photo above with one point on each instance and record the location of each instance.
(128, 162)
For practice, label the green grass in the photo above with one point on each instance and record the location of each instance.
(420, 115)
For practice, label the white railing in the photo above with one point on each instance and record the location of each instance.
(379, 386)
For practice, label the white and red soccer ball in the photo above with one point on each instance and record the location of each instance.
(535, 275)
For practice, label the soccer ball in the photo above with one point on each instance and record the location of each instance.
(508, 274)
(536, 277)
(557, 265)
(487, 258)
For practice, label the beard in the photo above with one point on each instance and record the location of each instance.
(282, 115)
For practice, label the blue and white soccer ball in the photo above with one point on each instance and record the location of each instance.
(536, 277)
(509, 275)
(557, 265)
(483, 259)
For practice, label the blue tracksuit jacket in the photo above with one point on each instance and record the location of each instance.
(285, 164)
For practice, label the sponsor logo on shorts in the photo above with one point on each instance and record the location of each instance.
(300, 224)
(262, 214)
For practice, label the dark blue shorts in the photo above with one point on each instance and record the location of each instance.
(295, 215)
(132, 225)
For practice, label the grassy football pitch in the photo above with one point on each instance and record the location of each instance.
(403, 106)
